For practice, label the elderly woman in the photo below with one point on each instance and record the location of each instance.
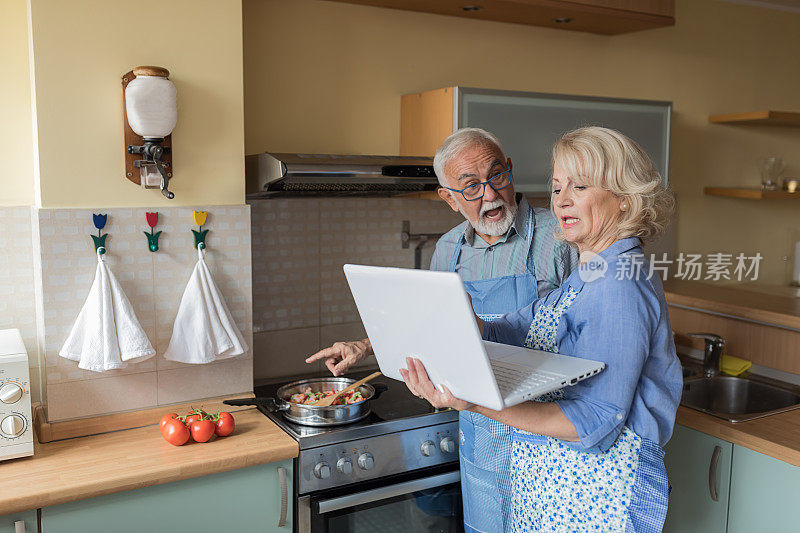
(590, 457)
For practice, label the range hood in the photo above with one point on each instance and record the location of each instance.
(274, 174)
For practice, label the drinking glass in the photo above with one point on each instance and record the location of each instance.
(771, 169)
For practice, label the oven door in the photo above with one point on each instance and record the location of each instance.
(430, 503)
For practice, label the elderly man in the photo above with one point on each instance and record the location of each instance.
(507, 256)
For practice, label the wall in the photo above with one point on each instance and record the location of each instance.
(17, 309)
(301, 300)
(82, 48)
(154, 283)
(78, 52)
(327, 77)
(16, 149)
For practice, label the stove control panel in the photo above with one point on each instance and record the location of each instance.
(375, 457)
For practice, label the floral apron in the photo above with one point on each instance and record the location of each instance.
(560, 489)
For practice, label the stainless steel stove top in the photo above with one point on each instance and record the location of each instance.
(395, 410)
(402, 433)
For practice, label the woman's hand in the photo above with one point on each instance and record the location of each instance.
(418, 382)
(342, 356)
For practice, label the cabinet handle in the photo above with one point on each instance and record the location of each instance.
(284, 496)
(712, 473)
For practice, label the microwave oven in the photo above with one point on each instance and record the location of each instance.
(16, 422)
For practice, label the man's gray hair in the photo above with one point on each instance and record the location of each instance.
(460, 141)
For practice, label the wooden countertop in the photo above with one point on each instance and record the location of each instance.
(85, 467)
(777, 436)
(745, 302)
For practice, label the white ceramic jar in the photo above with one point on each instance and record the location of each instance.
(151, 105)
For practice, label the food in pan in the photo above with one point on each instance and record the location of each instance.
(308, 397)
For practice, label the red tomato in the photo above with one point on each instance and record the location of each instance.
(175, 432)
(202, 430)
(191, 418)
(165, 419)
(224, 425)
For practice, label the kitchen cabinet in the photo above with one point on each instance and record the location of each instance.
(605, 17)
(247, 499)
(27, 517)
(528, 124)
(765, 493)
(699, 468)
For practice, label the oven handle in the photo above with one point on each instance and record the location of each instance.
(369, 496)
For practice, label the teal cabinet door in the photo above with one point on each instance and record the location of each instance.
(244, 500)
(27, 517)
(699, 469)
(765, 494)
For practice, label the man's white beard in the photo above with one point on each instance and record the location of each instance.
(498, 228)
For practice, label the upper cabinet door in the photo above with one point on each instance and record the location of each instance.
(765, 493)
(528, 124)
(699, 472)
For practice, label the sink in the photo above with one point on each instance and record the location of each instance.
(737, 399)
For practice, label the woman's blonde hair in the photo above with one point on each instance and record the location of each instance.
(609, 160)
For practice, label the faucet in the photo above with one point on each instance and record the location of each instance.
(713, 352)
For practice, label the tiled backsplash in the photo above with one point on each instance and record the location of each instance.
(297, 303)
(17, 300)
(154, 283)
(301, 301)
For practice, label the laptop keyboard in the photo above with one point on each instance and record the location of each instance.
(511, 378)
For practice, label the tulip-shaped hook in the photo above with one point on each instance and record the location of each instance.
(200, 236)
(99, 239)
(152, 238)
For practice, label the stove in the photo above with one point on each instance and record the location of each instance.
(395, 470)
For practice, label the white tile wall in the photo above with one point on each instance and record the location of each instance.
(17, 294)
(154, 283)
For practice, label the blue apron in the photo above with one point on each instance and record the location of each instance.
(485, 445)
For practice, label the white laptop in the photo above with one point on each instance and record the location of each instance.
(427, 315)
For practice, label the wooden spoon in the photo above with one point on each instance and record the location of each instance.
(328, 400)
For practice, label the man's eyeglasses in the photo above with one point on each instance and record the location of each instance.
(473, 192)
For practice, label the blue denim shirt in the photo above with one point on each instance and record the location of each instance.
(625, 324)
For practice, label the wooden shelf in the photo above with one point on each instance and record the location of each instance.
(749, 194)
(604, 17)
(767, 118)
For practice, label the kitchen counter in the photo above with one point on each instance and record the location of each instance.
(85, 467)
(777, 436)
(742, 301)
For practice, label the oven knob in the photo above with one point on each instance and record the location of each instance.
(427, 448)
(345, 466)
(322, 470)
(12, 425)
(366, 461)
(447, 445)
(10, 393)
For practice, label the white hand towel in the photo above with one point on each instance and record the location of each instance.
(204, 330)
(106, 334)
